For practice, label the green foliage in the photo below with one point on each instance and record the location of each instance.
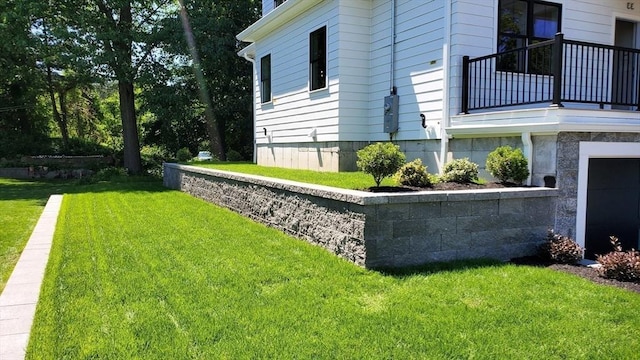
(184, 154)
(152, 159)
(561, 249)
(460, 171)
(506, 163)
(413, 174)
(380, 160)
(620, 265)
(233, 155)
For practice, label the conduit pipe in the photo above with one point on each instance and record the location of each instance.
(392, 70)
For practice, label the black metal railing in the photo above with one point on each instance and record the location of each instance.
(556, 71)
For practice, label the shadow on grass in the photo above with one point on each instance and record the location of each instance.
(439, 267)
(40, 190)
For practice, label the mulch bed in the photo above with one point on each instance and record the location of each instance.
(446, 186)
(582, 271)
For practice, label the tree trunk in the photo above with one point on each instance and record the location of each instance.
(62, 124)
(215, 140)
(132, 161)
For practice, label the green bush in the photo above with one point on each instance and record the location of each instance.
(505, 163)
(233, 155)
(460, 171)
(380, 160)
(413, 174)
(561, 249)
(618, 264)
(184, 154)
(152, 159)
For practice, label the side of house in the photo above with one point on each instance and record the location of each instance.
(467, 76)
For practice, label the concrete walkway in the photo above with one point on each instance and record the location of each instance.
(20, 297)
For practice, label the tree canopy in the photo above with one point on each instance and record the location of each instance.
(172, 66)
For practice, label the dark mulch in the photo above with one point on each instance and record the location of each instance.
(582, 271)
(440, 187)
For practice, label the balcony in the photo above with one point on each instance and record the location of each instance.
(556, 72)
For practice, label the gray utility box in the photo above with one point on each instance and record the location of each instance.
(391, 113)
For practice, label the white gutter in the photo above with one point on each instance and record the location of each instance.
(528, 153)
(446, 90)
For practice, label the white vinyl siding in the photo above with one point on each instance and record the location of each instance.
(418, 66)
(295, 111)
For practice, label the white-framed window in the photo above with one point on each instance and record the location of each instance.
(265, 78)
(318, 59)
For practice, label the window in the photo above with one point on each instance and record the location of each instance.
(265, 78)
(522, 23)
(318, 59)
(278, 2)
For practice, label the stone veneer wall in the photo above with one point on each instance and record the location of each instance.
(383, 230)
(568, 160)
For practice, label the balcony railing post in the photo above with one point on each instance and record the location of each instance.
(556, 68)
(465, 85)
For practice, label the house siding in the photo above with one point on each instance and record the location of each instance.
(418, 67)
(294, 110)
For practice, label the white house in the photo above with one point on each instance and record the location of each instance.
(450, 79)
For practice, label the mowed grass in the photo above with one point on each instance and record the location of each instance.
(21, 203)
(141, 272)
(344, 180)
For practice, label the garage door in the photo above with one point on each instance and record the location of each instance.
(613, 204)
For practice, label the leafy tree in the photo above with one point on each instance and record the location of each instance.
(222, 77)
(23, 123)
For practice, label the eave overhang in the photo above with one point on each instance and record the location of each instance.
(279, 16)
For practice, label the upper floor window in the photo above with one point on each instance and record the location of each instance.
(522, 23)
(278, 3)
(265, 78)
(318, 59)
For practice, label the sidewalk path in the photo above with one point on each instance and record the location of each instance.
(20, 296)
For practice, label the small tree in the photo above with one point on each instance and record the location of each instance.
(380, 160)
(505, 163)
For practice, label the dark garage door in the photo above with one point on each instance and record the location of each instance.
(613, 204)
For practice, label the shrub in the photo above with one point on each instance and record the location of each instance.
(505, 163)
(184, 154)
(380, 160)
(561, 249)
(152, 158)
(618, 264)
(233, 155)
(460, 171)
(413, 174)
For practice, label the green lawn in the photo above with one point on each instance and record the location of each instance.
(137, 271)
(344, 180)
(21, 203)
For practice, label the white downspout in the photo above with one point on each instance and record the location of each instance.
(528, 153)
(253, 93)
(446, 89)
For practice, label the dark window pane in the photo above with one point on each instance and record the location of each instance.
(265, 78)
(318, 58)
(513, 17)
(545, 21)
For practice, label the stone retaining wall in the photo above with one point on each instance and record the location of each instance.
(383, 230)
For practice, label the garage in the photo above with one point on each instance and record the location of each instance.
(613, 204)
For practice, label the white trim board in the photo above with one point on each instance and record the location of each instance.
(592, 149)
